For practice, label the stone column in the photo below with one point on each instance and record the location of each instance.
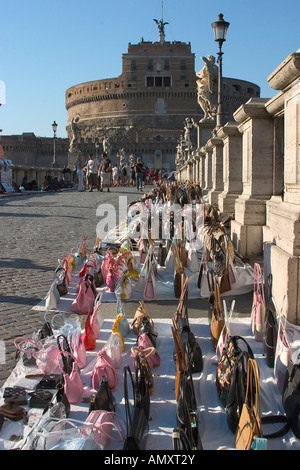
(232, 167)
(256, 127)
(201, 168)
(282, 231)
(208, 169)
(216, 145)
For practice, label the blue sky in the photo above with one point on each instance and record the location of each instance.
(46, 47)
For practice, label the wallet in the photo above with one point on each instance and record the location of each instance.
(15, 395)
(40, 398)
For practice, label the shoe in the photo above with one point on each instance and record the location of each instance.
(108, 190)
(90, 191)
(101, 190)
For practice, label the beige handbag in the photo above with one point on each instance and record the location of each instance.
(249, 426)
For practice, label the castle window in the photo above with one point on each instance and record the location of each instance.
(150, 81)
(133, 65)
(250, 91)
(167, 81)
(235, 88)
(183, 65)
(167, 64)
(158, 81)
(150, 64)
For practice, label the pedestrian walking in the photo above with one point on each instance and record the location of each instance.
(139, 175)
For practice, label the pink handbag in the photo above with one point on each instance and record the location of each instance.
(150, 291)
(104, 366)
(73, 385)
(85, 299)
(145, 343)
(79, 350)
(258, 311)
(108, 426)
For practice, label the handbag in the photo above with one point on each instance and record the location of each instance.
(88, 336)
(123, 288)
(103, 399)
(140, 313)
(73, 386)
(103, 366)
(178, 272)
(59, 399)
(186, 411)
(61, 282)
(258, 311)
(121, 321)
(283, 353)
(181, 323)
(271, 326)
(108, 426)
(147, 327)
(291, 396)
(225, 333)
(63, 347)
(114, 348)
(192, 260)
(79, 350)
(217, 320)
(231, 378)
(137, 425)
(85, 299)
(249, 427)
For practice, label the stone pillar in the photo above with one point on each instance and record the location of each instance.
(282, 231)
(216, 145)
(256, 127)
(201, 168)
(208, 169)
(232, 167)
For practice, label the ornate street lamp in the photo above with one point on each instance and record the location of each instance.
(54, 127)
(220, 28)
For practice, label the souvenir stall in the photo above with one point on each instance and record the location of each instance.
(219, 382)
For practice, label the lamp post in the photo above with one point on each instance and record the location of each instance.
(54, 127)
(220, 28)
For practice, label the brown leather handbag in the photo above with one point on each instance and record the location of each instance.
(217, 320)
(249, 426)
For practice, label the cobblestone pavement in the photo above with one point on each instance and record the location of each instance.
(37, 229)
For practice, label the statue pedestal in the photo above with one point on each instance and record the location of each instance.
(73, 157)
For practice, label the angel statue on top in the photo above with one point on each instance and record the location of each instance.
(207, 86)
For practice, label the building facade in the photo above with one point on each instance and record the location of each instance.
(144, 109)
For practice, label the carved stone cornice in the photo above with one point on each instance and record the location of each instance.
(286, 72)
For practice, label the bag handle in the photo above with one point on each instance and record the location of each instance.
(26, 340)
(217, 296)
(258, 281)
(143, 353)
(129, 425)
(253, 386)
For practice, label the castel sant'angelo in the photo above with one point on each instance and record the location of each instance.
(142, 112)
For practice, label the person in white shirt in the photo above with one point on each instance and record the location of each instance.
(92, 171)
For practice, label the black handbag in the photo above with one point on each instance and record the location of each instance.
(180, 440)
(147, 327)
(271, 326)
(61, 282)
(181, 322)
(162, 254)
(137, 420)
(104, 398)
(186, 411)
(291, 397)
(67, 359)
